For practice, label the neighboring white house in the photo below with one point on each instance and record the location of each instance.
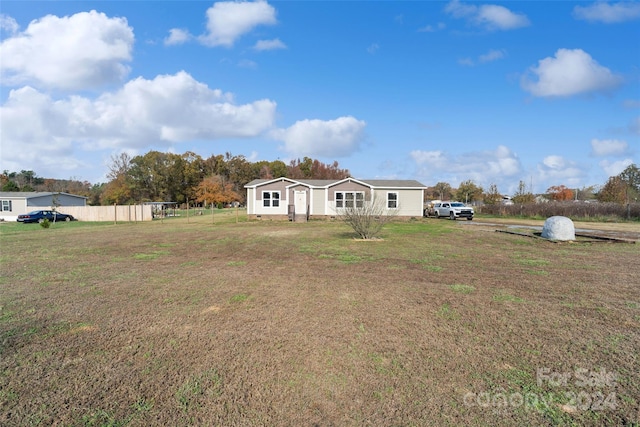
(286, 198)
(14, 203)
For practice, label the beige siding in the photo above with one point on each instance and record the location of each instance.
(318, 205)
(251, 204)
(280, 186)
(345, 186)
(410, 202)
(292, 191)
(321, 200)
(18, 207)
(348, 186)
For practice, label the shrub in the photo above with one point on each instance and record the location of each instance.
(367, 220)
(45, 223)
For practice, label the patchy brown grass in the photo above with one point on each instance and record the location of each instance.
(269, 323)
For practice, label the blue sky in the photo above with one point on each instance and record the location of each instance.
(497, 92)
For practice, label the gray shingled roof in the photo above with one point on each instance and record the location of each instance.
(379, 183)
(31, 194)
(395, 183)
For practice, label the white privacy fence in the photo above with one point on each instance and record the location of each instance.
(114, 213)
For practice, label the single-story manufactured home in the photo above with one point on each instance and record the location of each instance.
(14, 203)
(295, 199)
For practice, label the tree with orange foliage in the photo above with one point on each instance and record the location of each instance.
(117, 191)
(560, 193)
(214, 190)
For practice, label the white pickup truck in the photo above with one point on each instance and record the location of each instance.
(453, 210)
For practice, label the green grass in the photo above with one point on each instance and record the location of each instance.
(421, 227)
(150, 256)
(239, 298)
(447, 312)
(197, 389)
(503, 296)
(462, 289)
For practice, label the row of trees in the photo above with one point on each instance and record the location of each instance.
(27, 180)
(157, 176)
(622, 188)
(218, 179)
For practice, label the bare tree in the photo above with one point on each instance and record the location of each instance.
(120, 165)
(367, 217)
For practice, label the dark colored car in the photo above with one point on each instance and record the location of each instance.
(39, 216)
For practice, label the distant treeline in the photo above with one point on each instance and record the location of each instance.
(157, 176)
(220, 179)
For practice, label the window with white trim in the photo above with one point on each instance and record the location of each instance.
(347, 199)
(392, 200)
(6, 206)
(270, 199)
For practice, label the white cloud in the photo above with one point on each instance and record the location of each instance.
(8, 24)
(483, 167)
(608, 147)
(556, 170)
(373, 48)
(570, 72)
(168, 109)
(488, 16)
(500, 18)
(554, 162)
(82, 51)
(614, 168)
(253, 157)
(227, 21)
(434, 159)
(492, 55)
(432, 28)
(247, 63)
(467, 62)
(177, 36)
(326, 138)
(608, 13)
(269, 45)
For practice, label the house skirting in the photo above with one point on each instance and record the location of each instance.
(315, 218)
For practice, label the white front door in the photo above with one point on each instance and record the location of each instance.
(301, 202)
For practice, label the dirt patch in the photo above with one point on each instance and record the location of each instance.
(211, 309)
